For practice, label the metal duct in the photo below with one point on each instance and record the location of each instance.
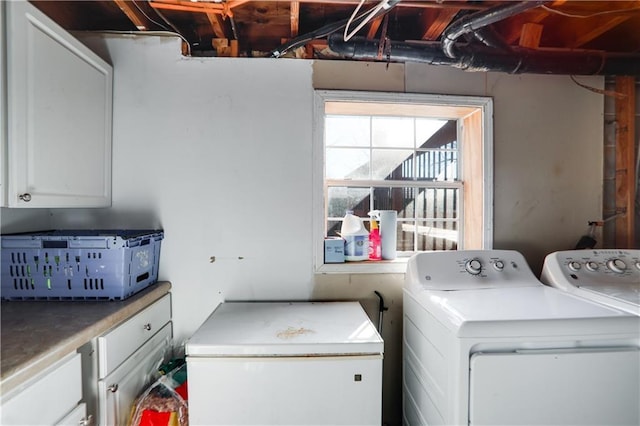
(515, 62)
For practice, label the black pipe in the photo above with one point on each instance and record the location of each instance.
(472, 23)
(481, 59)
(330, 29)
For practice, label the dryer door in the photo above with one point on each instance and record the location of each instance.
(560, 387)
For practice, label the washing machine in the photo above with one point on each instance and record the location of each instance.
(610, 277)
(486, 343)
(281, 363)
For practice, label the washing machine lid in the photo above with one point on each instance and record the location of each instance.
(524, 311)
(286, 329)
(624, 294)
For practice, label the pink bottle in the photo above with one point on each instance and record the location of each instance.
(375, 248)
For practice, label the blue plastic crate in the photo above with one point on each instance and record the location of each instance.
(79, 264)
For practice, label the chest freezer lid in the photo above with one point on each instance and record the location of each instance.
(524, 311)
(286, 329)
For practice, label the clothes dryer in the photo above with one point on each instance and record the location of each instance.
(485, 342)
(610, 277)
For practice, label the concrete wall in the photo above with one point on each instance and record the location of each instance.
(218, 153)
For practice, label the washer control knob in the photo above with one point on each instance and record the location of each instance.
(574, 265)
(638, 265)
(592, 266)
(617, 265)
(473, 266)
(498, 265)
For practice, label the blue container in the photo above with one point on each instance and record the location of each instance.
(79, 264)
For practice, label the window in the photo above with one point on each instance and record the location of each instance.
(427, 157)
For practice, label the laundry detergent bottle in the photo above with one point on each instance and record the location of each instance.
(356, 238)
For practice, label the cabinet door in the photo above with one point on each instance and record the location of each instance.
(3, 110)
(77, 417)
(47, 398)
(118, 391)
(59, 115)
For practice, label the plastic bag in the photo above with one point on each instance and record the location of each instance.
(164, 403)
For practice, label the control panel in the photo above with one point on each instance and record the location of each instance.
(585, 267)
(469, 269)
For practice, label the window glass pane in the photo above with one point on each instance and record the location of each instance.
(340, 199)
(437, 203)
(427, 127)
(437, 235)
(398, 199)
(347, 163)
(393, 132)
(347, 130)
(333, 228)
(406, 235)
(437, 165)
(391, 164)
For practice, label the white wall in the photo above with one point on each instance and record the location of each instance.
(218, 153)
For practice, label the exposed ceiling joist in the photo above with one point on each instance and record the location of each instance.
(435, 22)
(133, 13)
(217, 24)
(295, 18)
(592, 27)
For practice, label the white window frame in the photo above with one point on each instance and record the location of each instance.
(485, 104)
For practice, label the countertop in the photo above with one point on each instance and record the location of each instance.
(34, 335)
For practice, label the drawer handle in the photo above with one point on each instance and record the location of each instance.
(113, 388)
(147, 326)
(26, 197)
(86, 421)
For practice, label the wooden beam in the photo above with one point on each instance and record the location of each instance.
(591, 31)
(534, 16)
(530, 36)
(420, 4)
(295, 18)
(625, 162)
(373, 27)
(217, 24)
(133, 13)
(188, 6)
(436, 21)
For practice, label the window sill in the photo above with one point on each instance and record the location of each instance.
(396, 266)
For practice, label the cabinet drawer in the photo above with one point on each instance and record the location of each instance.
(47, 398)
(118, 344)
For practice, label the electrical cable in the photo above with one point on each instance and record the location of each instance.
(323, 31)
(355, 12)
(175, 29)
(148, 17)
(606, 12)
(611, 93)
(368, 18)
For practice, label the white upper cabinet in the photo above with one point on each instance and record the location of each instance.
(58, 116)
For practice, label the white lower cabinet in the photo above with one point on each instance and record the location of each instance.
(50, 398)
(77, 417)
(118, 391)
(121, 363)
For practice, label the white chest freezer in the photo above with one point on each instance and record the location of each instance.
(285, 363)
